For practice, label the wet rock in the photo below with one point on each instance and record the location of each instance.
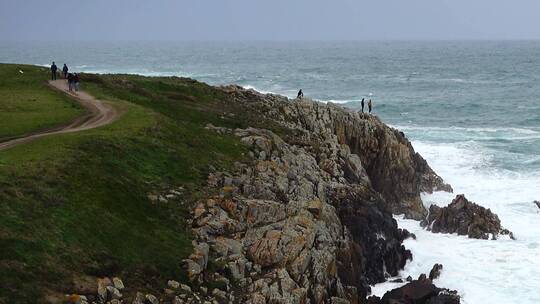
(373, 300)
(435, 272)
(420, 292)
(376, 247)
(464, 218)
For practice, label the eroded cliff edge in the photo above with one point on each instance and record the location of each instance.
(308, 218)
(388, 161)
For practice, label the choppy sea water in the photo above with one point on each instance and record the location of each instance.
(472, 109)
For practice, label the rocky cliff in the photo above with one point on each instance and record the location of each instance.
(309, 218)
(388, 161)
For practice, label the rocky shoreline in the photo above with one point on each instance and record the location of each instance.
(308, 217)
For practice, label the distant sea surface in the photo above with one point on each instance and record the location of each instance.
(472, 109)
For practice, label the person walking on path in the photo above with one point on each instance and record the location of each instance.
(76, 80)
(362, 103)
(70, 82)
(300, 94)
(54, 68)
(369, 106)
(65, 71)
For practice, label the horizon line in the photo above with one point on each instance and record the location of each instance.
(278, 40)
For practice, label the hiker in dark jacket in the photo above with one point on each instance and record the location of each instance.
(369, 106)
(76, 80)
(65, 71)
(54, 68)
(70, 81)
(362, 103)
(300, 94)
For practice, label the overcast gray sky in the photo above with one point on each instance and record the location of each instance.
(268, 19)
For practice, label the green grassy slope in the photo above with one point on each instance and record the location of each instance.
(27, 104)
(77, 204)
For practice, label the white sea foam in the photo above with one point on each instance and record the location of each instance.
(250, 87)
(467, 129)
(276, 90)
(502, 271)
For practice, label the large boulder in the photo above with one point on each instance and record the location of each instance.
(420, 292)
(464, 218)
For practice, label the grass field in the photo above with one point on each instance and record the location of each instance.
(27, 104)
(76, 205)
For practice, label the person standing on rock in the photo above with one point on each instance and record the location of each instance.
(362, 103)
(369, 106)
(300, 94)
(54, 68)
(65, 71)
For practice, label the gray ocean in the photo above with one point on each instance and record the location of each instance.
(472, 109)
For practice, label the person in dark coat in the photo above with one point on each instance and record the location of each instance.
(65, 71)
(369, 106)
(70, 81)
(362, 103)
(300, 94)
(54, 68)
(76, 80)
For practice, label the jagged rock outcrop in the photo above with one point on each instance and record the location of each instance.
(309, 218)
(289, 231)
(464, 218)
(394, 169)
(435, 272)
(421, 291)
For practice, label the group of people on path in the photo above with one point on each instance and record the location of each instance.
(72, 78)
(362, 103)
